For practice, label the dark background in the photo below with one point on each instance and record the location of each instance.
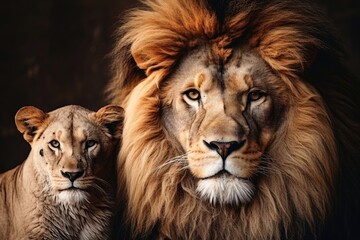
(54, 53)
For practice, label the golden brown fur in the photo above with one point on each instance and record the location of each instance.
(64, 188)
(315, 138)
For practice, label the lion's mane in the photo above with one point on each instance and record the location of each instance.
(312, 153)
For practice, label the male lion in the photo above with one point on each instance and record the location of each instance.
(240, 122)
(63, 190)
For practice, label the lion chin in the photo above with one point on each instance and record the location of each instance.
(225, 189)
(72, 195)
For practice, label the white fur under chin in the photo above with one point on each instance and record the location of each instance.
(72, 196)
(225, 190)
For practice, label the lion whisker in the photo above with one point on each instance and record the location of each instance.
(178, 160)
(184, 168)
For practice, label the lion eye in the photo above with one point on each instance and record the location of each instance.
(255, 95)
(90, 143)
(192, 94)
(55, 144)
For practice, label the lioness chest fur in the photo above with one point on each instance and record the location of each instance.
(64, 188)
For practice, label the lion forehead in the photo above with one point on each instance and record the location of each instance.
(199, 68)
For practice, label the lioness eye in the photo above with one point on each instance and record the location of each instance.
(55, 144)
(89, 143)
(192, 94)
(255, 95)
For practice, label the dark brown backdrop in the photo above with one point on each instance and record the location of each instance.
(53, 53)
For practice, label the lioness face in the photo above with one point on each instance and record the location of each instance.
(223, 116)
(72, 153)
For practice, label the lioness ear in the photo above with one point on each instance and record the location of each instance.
(28, 119)
(111, 117)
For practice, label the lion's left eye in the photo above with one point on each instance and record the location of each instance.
(90, 143)
(55, 143)
(192, 94)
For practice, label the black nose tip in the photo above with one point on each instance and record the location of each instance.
(72, 175)
(224, 148)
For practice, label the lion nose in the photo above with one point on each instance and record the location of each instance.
(72, 175)
(224, 148)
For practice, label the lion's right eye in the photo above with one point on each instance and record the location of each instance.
(256, 95)
(192, 94)
(55, 144)
(90, 143)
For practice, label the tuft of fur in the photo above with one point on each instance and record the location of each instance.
(312, 160)
(37, 201)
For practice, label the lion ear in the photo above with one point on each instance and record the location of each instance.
(141, 60)
(111, 117)
(288, 50)
(150, 59)
(28, 120)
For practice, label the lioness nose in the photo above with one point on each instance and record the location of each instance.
(72, 175)
(224, 148)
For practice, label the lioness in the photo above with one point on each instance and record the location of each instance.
(63, 189)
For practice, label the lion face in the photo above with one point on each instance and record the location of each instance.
(71, 148)
(224, 119)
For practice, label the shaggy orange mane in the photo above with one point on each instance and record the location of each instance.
(313, 152)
